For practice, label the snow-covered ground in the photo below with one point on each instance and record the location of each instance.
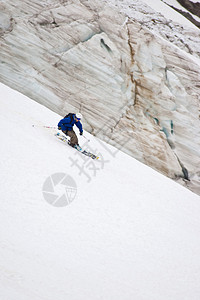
(129, 233)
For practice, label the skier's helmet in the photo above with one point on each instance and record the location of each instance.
(79, 116)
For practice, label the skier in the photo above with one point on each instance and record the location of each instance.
(66, 125)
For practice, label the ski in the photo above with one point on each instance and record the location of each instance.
(78, 148)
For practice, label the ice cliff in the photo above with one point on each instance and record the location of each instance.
(132, 73)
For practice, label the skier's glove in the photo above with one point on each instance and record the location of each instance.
(59, 128)
(81, 133)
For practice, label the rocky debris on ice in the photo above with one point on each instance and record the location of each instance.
(186, 37)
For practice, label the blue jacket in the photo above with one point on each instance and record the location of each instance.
(68, 123)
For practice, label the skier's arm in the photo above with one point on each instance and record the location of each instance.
(80, 127)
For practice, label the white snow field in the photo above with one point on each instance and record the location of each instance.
(130, 233)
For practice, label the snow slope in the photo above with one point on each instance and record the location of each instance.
(130, 232)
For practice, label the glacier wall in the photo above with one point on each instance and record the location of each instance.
(136, 90)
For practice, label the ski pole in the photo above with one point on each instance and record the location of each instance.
(45, 126)
(86, 138)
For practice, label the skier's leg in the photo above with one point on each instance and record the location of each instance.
(73, 137)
